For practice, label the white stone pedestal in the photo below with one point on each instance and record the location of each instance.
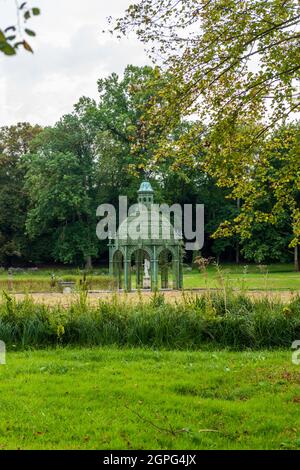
(146, 282)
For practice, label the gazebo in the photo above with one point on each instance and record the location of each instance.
(157, 250)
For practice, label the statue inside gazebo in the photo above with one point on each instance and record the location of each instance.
(148, 256)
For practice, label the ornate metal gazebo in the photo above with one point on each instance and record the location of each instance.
(157, 249)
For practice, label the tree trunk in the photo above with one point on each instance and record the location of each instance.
(296, 258)
(88, 262)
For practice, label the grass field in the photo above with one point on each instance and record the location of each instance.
(146, 399)
(109, 398)
(277, 276)
(273, 277)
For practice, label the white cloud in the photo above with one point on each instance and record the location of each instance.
(71, 53)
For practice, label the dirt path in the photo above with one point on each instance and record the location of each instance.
(171, 296)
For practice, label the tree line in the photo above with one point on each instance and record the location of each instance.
(53, 178)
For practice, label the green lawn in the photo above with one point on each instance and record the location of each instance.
(276, 276)
(143, 399)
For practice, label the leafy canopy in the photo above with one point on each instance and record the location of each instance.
(235, 66)
(225, 57)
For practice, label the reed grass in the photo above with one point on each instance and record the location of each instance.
(194, 322)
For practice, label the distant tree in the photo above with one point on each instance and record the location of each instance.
(15, 141)
(268, 243)
(52, 180)
(267, 182)
(122, 113)
(123, 147)
(188, 182)
(62, 188)
(91, 156)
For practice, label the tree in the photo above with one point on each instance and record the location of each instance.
(86, 159)
(223, 57)
(15, 141)
(189, 183)
(122, 108)
(123, 147)
(235, 65)
(60, 180)
(13, 36)
(268, 243)
(268, 183)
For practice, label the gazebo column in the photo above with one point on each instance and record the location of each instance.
(111, 267)
(139, 269)
(175, 267)
(127, 272)
(164, 270)
(111, 251)
(180, 286)
(117, 272)
(154, 270)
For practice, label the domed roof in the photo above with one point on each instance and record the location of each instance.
(145, 187)
(146, 224)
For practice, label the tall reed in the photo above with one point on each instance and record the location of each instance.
(194, 322)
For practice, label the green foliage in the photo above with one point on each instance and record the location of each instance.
(268, 242)
(209, 53)
(12, 37)
(209, 50)
(267, 181)
(52, 180)
(60, 180)
(84, 160)
(211, 320)
(15, 142)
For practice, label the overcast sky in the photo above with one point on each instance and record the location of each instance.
(70, 54)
